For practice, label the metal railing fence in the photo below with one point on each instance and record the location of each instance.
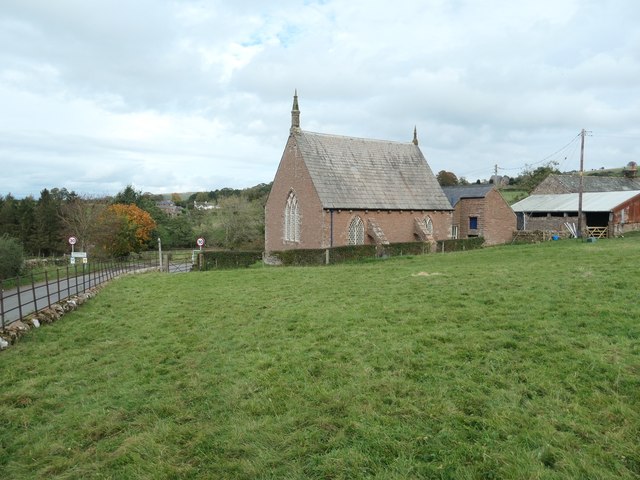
(22, 296)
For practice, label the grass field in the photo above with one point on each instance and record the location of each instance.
(515, 362)
(512, 195)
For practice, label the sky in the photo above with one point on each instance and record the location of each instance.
(186, 95)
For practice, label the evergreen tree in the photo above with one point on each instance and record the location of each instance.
(49, 235)
(11, 257)
(27, 221)
(9, 223)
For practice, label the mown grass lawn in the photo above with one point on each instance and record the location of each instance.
(509, 362)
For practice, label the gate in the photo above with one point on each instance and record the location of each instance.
(179, 262)
(597, 232)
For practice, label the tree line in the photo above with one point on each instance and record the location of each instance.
(527, 180)
(129, 222)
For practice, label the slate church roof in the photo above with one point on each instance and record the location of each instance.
(358, 173)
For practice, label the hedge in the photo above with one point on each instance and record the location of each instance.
(459, 244)
(349, 253)
(407, 248)
(301, 257)
(230, 259)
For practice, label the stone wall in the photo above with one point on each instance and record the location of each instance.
(12, 333)
(549, 223)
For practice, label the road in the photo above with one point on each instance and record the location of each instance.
(20, 302)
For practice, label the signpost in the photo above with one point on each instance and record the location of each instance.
(72, 242)
(200, 242)
(74, 254)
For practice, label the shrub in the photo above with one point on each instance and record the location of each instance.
(301, 256)
(349, 253)
(11, 257)
(407, 248)
(230, 259)
(460, 244)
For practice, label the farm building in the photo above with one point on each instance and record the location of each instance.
(481, 211)
(332, 190)
(555, 184)
(604, 213)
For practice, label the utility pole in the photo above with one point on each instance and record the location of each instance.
(581, 187)
(495, 169)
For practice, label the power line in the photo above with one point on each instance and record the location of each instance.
(570, 157)
(628, 137)
(545, 159)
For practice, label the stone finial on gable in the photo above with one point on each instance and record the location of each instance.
(415, 135)
(295, 114)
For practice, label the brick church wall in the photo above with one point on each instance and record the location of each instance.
(293, 175)
(398, 226)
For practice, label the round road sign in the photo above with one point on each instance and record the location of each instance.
(72, 240)
(200, 241)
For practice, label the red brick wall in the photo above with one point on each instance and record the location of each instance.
(496, 220)
(464, 209)
(398, 226)
(631, 217)
(293, 175)
(500, 220)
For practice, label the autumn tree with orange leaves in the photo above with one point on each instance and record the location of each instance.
(129, 229)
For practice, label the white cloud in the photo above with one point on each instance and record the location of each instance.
(190, 95)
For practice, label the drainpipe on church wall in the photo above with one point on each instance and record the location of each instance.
(331, 228)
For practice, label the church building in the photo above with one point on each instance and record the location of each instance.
(332, 190)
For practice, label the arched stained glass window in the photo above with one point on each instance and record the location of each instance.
(292, 219)
(356, 231)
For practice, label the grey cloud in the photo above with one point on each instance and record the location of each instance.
(485, 82)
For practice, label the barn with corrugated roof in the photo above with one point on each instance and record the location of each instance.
(604, 214)
(332, 190)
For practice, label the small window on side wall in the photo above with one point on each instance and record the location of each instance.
(473, 223)
(356, 231)
(428, 224)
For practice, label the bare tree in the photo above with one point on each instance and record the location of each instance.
(81, 218)
(242, 221)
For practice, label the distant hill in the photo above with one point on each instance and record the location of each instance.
(603, 172)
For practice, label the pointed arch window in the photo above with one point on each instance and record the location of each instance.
(356, 231)
(292, 219)
(428, 225)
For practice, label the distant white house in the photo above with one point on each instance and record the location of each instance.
(205, 206)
